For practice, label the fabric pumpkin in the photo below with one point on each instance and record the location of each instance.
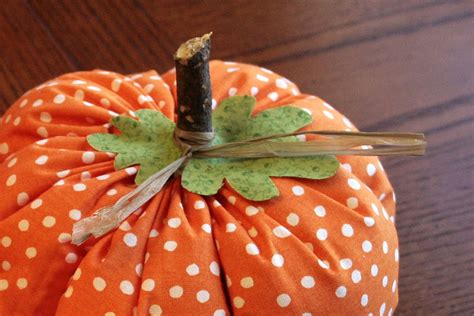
(323, 247)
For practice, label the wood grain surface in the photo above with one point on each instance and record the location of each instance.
(388, 65)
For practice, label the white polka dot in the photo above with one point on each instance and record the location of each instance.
(298, 190)
(292, 219)
(230, 227)
(369, 221)
(346, 121)
(11, 180)
(202, 296)
(206, 228)
(394, 286)
(364, 300)
(214, 268)
(127, 287)
(253, 232)
(341, 291)
(31, 252)
(320, 211)
(176, 291)
(49, 221)
(131, 171)
(367, 246)
(382, 309)
(105, 102)
(346, 263)
(385, 214)
(273, 96)
(384, 281)
(12, 162)
(322, 234)
(63, 174)
(254, 91)
(354, 184)
(170, 245)
(23, 103)
(174, 222)
(64, 238)
(347, 167)
(371, 169)
(262, 78)
(6, 265)
(280, 83)
(148, 285)
(17, 121)
(6, 241)
(252, 249)
(88, 157)
(396, 255)
(374, 270)
(3, 284)
(130, 239)
(281, 232)
(232, 91)
(278, 260)
(385, 247)
(356, 276)
(247, 282)
(45, 117)
(328, 114)
(94, 88)
(323, 264)
(103, 177)
(347, 230)
(283, 300)
(41, 160)
(238, 302)
(153, 233)
(251, 210)
(231, 199)
(375, 209)
(22, 198)
(192, 269)
(142, 99)
(308, 282)
(155, 310)
(23, 225)
(219, 312)
(71, 257)
(79, 187)
(198, 205)
(68, 292)
(352, 202)
(77, 274)
(60, 98)
(37, 103)
(116, 84)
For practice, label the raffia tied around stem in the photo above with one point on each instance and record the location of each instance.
(197, 145)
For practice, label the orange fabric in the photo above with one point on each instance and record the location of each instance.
(323, 247)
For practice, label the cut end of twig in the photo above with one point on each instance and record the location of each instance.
(188, 49)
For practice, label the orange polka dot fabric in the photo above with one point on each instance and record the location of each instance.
(323, 247)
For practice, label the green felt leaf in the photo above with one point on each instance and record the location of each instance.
(147, 142)
(233, 121)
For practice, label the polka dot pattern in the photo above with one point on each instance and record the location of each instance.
(225, 253)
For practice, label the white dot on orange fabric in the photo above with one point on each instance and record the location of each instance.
(94, 88)
(308, 282)
(202, 296)
(292, 219)
(251, 210)
(17, 121)
(253, 232)
(42, 131)
(384, 281)
(385, 247)
(37, 103)
(252, 249)
(352, 202)
(281, 83)
(247, 282)
(364, 300)
(174, 222)
(356, 276)
(347, 167)
(322, 234)
(111, 192)
(41, 160)
(127, 287)
(59, 99)
(281, 232)
(278, 260)
(198, 205)
(12, 162)
(155, 310)
(192, 269)
(11, 180)
(6, 241)
(231, 199)
(354, 184)
(367, 246)
(36, 203)
(375, 209)
(23, 225)
(3, 284)
(79, 95)
(346, 263)
(369, 221)
(254, 91)
(328, 114)
(176, 291)
(153, 233)
(341, 291)
(206, 228)
(374, 270)
(22, 198)
(148, 285)
(283, 300)
(49, 221)
(371, 169)
(68, 292)
(323, 264)
(71, 257)
(394, 286)
(382, 309)
(77, 274)
(23, 103)
(131, 171)
(170, 245)
(4, 148)
(130, 239)
(273, 96)
(64, 238)
(262, 78)
(219, 312)
(45, 117)
(230, 227)
(6, 265)
(64, 173)
(238, 302)
(116, 84)
(396, 255)
(31, 252)
(297, 190)
(347, 230)
(99, 284)
(88, 157)
(232, 91)
(214, 268)
(320, 211)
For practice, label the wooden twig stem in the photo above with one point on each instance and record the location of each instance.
(194, 85)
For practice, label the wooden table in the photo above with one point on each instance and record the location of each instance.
(388, 65)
